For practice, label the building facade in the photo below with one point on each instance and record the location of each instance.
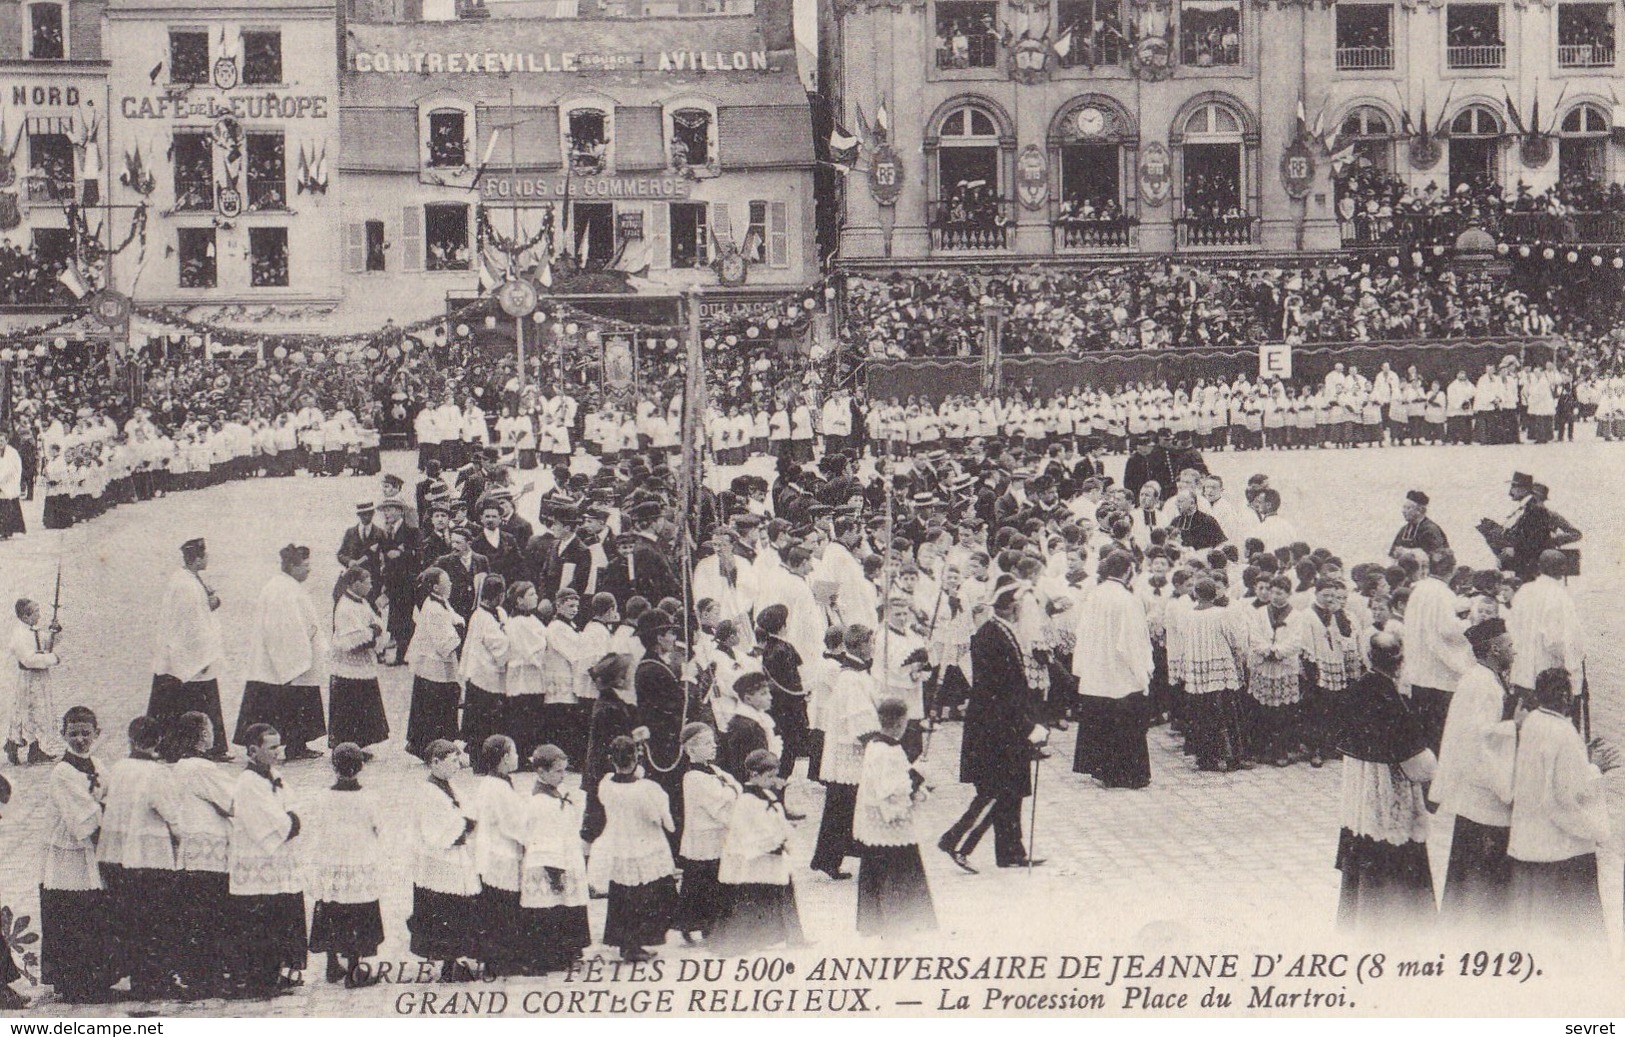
(53, 133)
(226, 120)
(635, 151)
(1085, 127)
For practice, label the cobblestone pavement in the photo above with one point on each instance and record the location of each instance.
(1245, 856)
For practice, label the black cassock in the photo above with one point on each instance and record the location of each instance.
(782, 662)
(996, 754)
(661, 699)
(399, 578)
(462, 579)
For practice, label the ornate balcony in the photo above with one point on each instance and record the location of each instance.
(1202, 232)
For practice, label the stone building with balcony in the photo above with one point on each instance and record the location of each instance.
(225, 123)
(1074, 127)
(53, 107)
(608, 148)
(1517, 99)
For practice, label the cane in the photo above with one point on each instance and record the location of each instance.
(1032, 824)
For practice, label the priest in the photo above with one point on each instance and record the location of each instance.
(1474, 782)
(1436, 650)
(190, 648)
(287, 654)
(1112, 661)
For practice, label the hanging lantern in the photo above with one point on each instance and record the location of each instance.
(772, 323)
(1573, 257)
(1523, 250)
(710, 343)
(732, 340)
(558, 329)
(1438, 250)
(1619, 263)
(195, 341)
(462, 330)
(1393, 261)
(539, 317)
(671, 344)
(571, 328)
(318, 357)
(298, 357)
(59, 342)
(829, 292)
(372, 353)
(1548, 254)
(490, 323)
(809, 304)
(753, 331)
(406, 345)
(280, 352)
(1416, 259)
(1503, 248)
(1596, 261)
(39, 350)
(395, 354)
(6, 355)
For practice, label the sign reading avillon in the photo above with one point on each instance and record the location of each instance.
(495, 63)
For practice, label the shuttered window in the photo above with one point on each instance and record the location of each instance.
(411, 238)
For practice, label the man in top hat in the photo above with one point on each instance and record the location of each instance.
(392, 487)
(1419, 533)
(566, 560)
(1002, 733)
(287, 660)
(649, 571)
(400, 560)
(361, 543)
(1527, 532)
(190, 648)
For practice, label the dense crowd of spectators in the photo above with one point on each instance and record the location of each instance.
(1379, 207)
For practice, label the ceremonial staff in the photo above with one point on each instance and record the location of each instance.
(56, 607)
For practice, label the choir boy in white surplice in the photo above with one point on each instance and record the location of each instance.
(267, 879)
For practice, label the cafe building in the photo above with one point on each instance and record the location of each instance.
(627, 157)
(225, 125)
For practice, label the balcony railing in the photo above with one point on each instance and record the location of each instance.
(1488, 56)
(1585, 55)
(1216, 231)
(1513, 228)
(194, 194)
(985, 230)
(1096, 235)
(1356, 59)
(1201, 53)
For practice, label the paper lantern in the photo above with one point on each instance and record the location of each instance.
(280, 352)
(772, 323)
(318, 357)
(1416, 259)
(6, 355)
(671, 343)
(1618, 263)
(1596, 261)
(372, 353)
(394, 354)
(59, 342)
(1523, 250)
(1503, 248)
(710, 343)
(298, 356)
(810, 304)
(571, 328)
(39, 350)
(539, 317)
(753, 331)
(1573, 257)
(558, 328)
(462, 330)
(406, 345)
(1548, 254)
(732, 340)
(829, 292)
(1438, 250)
(490, 323)
(1393, 261)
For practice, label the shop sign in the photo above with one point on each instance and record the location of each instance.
(504, 187)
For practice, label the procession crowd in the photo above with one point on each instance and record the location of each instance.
(1007, 583)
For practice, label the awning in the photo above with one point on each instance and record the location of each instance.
(765, 138)
(378, 140)
(640, 139)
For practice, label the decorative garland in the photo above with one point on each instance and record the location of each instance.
(507, 246)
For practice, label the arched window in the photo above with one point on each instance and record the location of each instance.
(969, 189)
(1371, 133)
(1475, 147)
(1216, 150)
(447, 143)
(1093, 141)
(587, 138)
(1582, 144)
(693, 138)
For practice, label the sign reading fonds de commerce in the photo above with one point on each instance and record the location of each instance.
(505, 62)
(507, 188)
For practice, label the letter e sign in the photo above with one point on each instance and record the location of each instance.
(1275, 360)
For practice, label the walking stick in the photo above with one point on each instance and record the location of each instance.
(1032, 835)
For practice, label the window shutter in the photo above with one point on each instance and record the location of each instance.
(355, 247)
(660, 236)
(412, 238)
(702, 246)
(722, 224)
(778, 235)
